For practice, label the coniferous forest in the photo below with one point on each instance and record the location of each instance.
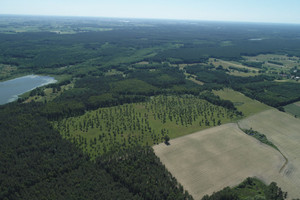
(122, 88)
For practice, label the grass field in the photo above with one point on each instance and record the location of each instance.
(6, 70)
(227, 64)
(284, 131)
(244, 104)
(288, 62)
(209, 160)
(190, 77)
(49, 94)
(146, 123)
(274, 64)
(293, 109)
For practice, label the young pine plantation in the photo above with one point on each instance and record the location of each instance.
(146, 123)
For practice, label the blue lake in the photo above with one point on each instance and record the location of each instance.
(10, 90)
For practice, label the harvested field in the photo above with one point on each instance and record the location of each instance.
(209, 160)
(284, 131)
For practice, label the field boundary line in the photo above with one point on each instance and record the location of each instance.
(285, 158)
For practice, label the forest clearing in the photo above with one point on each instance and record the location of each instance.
(147, 123)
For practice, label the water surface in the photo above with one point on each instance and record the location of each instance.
(10, 90)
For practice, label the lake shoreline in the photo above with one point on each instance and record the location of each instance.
(14, 88)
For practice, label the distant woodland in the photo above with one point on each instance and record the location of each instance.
(105, 64)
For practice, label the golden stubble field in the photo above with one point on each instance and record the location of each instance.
(212, 159)
(284, 131)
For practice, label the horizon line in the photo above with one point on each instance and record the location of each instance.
(166, 19)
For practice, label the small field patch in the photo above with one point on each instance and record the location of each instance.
(235, 68)
(287, 61)
(293, 109)
(244, 104)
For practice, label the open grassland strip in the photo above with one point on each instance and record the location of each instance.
(235, 69)
(227, 64)
(209, 160)
(282, 130)
(244, 104)
(147, 123)
(293, 109)
(189, 76)
(195, 81)
(286, 60)
(242, 74)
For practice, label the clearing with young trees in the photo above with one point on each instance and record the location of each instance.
(147, 123)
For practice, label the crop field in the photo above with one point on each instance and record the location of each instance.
(283, 130)
(145, 123)
(293, 109)
(244, 104)
(209, 160)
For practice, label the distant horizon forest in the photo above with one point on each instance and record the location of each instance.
(123, 85)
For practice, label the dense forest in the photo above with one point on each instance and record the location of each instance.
(122, 87)
(249, 187)
(36, 163)
(259, 87)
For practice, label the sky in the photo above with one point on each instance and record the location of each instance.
(274, 11)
